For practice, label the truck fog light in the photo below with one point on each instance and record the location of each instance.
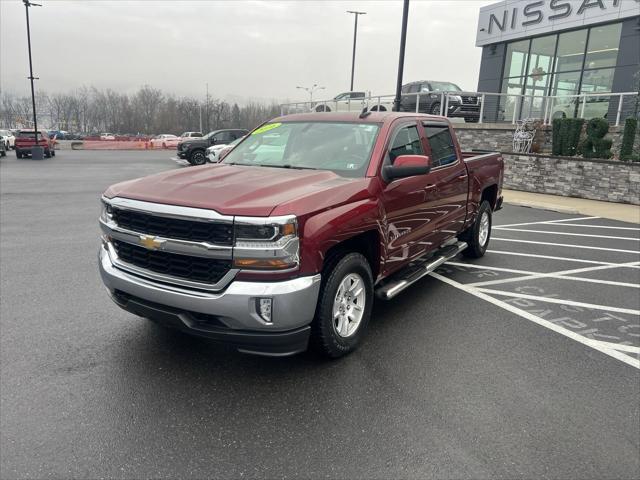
(263, 306)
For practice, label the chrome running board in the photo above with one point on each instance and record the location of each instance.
(416, 270)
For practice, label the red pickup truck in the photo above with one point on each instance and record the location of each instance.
(25, 140)
(287, 241)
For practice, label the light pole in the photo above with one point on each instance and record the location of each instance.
(35, 152)
(310, 91)
(403, 41)
(355, 34)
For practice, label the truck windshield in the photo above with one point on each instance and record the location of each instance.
(343, 148)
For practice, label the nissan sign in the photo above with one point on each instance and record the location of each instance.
(509, 20)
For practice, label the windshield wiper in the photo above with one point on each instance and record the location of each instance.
(287, 165)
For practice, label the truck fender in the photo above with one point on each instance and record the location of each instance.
(332, 227)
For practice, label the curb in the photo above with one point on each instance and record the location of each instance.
(543, 206)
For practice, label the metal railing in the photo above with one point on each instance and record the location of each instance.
(486, 107)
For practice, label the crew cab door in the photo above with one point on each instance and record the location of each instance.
(450, 177)
(408, 202)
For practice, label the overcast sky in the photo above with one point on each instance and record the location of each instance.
(247, 49)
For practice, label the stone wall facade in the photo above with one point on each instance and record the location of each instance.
(499, 137)
(605, 180)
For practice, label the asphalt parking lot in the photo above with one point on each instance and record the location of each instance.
(523, 364)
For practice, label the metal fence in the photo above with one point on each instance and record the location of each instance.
(484, 107)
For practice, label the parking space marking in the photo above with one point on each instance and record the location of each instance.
(550, 257)
(595, 344)
(497, 269)
(565, 245)
(565, 275)
(621, 347)
(562, 220)
(597, 226)
(558, 301)
(566, 233)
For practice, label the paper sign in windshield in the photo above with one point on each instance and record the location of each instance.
(266, 128)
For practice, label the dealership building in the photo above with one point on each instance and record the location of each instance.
(559, 48)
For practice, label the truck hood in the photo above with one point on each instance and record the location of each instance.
(242, 190)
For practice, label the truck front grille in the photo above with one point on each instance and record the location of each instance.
(197, 269)
(195, 231)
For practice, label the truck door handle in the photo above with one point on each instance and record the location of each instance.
(463, 176)
(430, 186)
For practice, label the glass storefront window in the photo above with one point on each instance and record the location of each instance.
(517, 53)
(565, 84)
(603, 47)
(571, 47)
(541, 56)
(597, 80)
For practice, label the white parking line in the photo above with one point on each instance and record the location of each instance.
(569, 219)
(546, 221)
(566, 233)
(559, 301)
(595, 344)
(595, 226)
(565, 245)
(550, 257)
(621, 347)
(565, 275)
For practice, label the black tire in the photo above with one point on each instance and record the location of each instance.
(435, 109)
(47, 153)
(53, 153)
(324, 336)
(197, 157)
(323, 108)
(477, 248)
(3, 153)
(18, 154)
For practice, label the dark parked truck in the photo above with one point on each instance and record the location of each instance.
(287, 241)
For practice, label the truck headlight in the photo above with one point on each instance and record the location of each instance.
(266, 243)
(106, 215)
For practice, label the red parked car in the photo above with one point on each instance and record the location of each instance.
(25, 140)
(288, 239)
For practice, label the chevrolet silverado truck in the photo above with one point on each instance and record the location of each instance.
(285, 243)
(25, 141)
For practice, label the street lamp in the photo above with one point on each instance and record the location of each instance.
(36, 153)
(355, 33)
(310, 90)
(403, 41)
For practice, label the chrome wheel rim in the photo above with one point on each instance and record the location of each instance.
(483, 235)
(348, 305)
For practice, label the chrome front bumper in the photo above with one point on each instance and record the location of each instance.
(294, 301)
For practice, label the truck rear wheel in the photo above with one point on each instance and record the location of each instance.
(344, 306)
(478, 235)
(18, 154)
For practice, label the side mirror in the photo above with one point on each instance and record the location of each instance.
(407, 166)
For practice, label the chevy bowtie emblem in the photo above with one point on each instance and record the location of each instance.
(151, 242)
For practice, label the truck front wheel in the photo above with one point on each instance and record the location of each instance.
(344, 306)
(478, 235)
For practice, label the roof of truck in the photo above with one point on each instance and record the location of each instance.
(373, 117)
